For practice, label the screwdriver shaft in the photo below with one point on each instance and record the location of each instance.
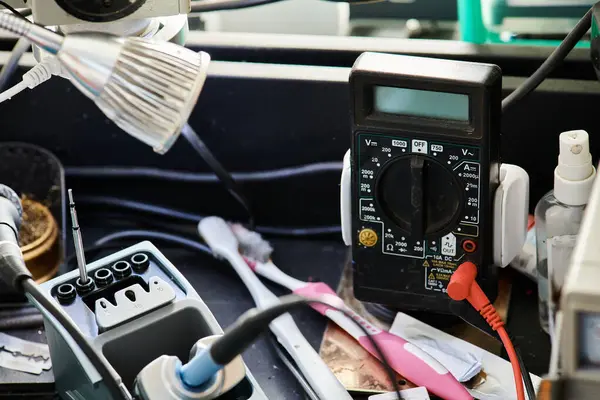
(77, 240)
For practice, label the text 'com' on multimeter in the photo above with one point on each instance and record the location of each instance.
(423, 189)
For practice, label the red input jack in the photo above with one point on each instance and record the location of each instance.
(469, 246)
(463, 286)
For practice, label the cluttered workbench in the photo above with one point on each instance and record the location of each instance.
(318, 260)
(417, 238)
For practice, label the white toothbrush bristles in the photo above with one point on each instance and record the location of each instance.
(252, 244)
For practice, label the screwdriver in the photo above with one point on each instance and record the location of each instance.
(78, 241)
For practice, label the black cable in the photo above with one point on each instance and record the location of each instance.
(118, 391)
(557, 56)
(124, 221)
(525, 374)
(12, 10)
(134, 172)
(254, 322)
(221, 5)
(92, 249)
(162, 236)
(224, 176)
(195, 218)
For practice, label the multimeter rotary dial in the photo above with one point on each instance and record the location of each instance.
(100, 10)
(420, 195)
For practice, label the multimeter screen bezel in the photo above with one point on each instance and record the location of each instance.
(365, 114)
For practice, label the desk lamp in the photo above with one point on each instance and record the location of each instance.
(148, 88)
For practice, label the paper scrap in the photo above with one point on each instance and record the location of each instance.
(499, 383)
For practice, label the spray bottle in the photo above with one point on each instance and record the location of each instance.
(558, 216)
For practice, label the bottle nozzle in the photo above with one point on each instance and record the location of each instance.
(575, 173)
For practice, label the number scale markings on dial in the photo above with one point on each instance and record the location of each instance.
(469, 173)
(378, 151)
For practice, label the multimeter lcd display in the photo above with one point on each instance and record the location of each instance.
(421, 103)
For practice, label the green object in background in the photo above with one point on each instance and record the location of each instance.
(471, 22)
(595, 20)
(473, 29)
(595, 36)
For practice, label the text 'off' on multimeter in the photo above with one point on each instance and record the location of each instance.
(425, 172)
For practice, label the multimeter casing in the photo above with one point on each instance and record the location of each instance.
(422, 185)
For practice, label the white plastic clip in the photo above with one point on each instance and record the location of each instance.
(511, 205)
(346, 200)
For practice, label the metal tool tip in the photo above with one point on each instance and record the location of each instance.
(70, 191)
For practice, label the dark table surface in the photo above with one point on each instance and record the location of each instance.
(319, 260)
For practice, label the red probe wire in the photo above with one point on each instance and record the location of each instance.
(463, 286)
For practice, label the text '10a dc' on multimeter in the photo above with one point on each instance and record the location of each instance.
(425, 162)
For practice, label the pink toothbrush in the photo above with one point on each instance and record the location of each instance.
(404, 357)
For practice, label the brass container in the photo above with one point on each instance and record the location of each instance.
(42, 255)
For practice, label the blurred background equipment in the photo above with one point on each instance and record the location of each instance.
(38, 177)
(576, 348)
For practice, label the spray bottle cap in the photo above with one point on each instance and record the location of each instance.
(574, 175)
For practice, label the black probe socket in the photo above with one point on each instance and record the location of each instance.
(103, 276)
(121, 269)
(83, 288)
(66, 293)
(140, 262)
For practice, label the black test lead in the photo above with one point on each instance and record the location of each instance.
(84, 281)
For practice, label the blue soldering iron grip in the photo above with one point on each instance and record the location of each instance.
(200, 369)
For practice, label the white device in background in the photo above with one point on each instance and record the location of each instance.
(577, 337)
(67, 12)
(159, 19)
(314, 17)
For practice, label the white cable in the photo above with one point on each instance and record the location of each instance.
(9, 93)
(35, 77)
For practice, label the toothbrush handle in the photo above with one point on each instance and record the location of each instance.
(405, 358)
(316, 372)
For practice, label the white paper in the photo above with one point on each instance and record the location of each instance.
(499, 384)
(419, 393)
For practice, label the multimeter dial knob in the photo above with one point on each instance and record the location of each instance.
(420, 195)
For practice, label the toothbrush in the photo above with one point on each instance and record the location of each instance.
(218, 236)
(404, 357)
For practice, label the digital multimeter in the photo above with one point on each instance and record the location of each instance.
(425, 167)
